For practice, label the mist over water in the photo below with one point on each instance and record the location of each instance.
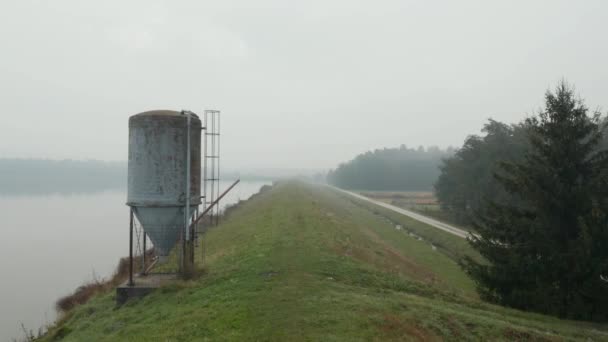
(52, 243)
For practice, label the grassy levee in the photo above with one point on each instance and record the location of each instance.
(455, 247)
(300, 262)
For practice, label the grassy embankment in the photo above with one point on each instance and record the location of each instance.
(301, 262)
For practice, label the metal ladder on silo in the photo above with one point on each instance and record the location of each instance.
(211, 163)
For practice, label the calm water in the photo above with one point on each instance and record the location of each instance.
(52, 243)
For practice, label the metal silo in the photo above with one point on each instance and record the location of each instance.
(158, 173)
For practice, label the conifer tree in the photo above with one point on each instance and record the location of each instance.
(548, 251)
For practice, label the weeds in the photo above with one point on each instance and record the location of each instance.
(85, 292)
(28, 334)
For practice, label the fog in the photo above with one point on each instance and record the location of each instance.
(300, 84)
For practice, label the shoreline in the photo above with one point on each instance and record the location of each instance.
(90, 289)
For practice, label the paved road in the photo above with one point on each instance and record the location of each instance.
(431, 222)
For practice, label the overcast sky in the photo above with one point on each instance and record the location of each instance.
(302, 84)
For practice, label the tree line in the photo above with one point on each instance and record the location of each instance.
(391, 169)
(43, 176)
(534, 192)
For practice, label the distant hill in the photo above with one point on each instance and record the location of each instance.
(38, 176)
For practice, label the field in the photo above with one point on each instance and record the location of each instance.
(422, 202)
(303, 262)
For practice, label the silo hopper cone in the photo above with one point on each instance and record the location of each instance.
(163, 226)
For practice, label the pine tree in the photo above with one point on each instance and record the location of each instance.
(549, 251)
(466, 179)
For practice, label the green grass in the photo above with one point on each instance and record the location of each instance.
(421, 202)
(424, 203)
(453, 246)
(301, 262)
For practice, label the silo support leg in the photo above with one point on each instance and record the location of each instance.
(143, 255)
(131, 247)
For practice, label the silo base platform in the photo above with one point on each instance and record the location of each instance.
(142, 285)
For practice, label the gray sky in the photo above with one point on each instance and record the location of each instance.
(303, 84)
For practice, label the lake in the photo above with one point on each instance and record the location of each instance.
(53, 243)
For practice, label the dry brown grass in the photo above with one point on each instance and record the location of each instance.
(85, 292)
(405, 197)
(395, 327)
